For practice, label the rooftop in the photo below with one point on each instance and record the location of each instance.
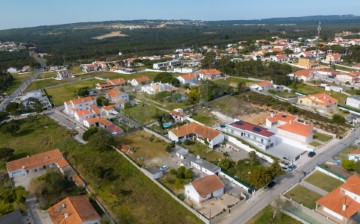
(195, 128)
(207, 185)
(252, 128)
(298, 128)
(282, 117)
(12, 218)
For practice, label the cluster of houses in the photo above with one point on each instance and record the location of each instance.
(86, 111)
(74, 209)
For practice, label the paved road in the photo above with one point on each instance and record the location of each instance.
(262, 198)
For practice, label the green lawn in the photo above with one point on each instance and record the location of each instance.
(205, 117)
(202, 150)
(315, 143)
(146, 146)
(303, 195)
(131, 196)
(323, 181)
(41, 84)
(309, 89)
(265, 216)
(19, 79)
(47, 75)
(61, 94)
(142, 113)
(233, 79)
(322, 137)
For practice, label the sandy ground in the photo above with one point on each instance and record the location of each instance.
(112, 34)
(255, 118)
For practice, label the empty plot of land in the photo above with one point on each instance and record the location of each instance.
(304, 196)
(109, 35)
(323, 181)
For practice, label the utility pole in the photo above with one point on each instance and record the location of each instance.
(318, 42)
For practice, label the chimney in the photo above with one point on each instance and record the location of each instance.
(344, 207)
(66, 215)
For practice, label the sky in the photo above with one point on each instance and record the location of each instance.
(28, 13)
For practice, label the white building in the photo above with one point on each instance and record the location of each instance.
(258, 136)
(354, 155)
(204, 188)
(178, 115)
(157, 87)
(353, 101)
(201, 133)
(79, 104)
(188, 79)
(167, 64)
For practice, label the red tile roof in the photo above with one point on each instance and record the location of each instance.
(282, 117)
(252, 128)
(207, 185)
(297, 128)
(322, 98)
(195, 128)
(117, 82)
(265, 83)
(188, 76)
(77, 208)
(355, 152)
(101, 120)
(38, 160)
(114, 93)
(80, 100)
(142, 79)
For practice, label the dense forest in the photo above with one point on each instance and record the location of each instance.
(74, 43)
(5, 81)
(17, 60)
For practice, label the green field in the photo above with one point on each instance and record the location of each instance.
(265, 216)
(202, 150)
(19, 79)
(323, 181)
(47, 75)
(131, 196)
(205, 117)
(142, 113)
(232, 79)
(60, 94)
(322, 137)
(303, 195)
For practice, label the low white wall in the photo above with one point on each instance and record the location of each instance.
(293, 142)
(233, 181)
(318, 168)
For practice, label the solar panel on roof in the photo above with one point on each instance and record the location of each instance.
(256, 129)
(239, 123)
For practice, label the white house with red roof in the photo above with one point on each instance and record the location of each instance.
(320, 101)
(140, 81)
(110, 84)
(351, 77)
(209, 74)
(190, 78)
(74, 105)
(257, 135)
(204, 188)
(342, 204)
(354, 155)
(82, 115)
(263, 86)
(178, 115)
(279, 58)
(118, 97)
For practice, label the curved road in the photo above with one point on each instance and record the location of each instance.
(262, 198)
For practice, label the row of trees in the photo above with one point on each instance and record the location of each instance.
(6, 79)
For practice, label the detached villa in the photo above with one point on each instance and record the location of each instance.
(204, 188)
(196, 131)
(342, 204)
(320, 101)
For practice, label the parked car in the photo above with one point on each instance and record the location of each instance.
(163, 168)
(291, 167)
(270, 185)
(311, 154)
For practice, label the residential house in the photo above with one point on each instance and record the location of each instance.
(296, 131)
(343, 203)
(117, 97)
(74, 210)
(140, 81)
(108, 111)
(303, 75)
(202, 133)
(333, 88)
(354, 155)
(167, 64)
(178, 115)
(320, 101)
(102, 122)
(307, 62)
(190, 78)
(72, 106)
(280, 119)
(350, 78)
(115, 68)
(353, 101)
(157, 87)
(209, 74)
(35, 163)
(258, 136)
(63, 74)
(333, 58)
(89, 68)
(110, 84)
(82, 115)
(263, 86)
(204, 188)
(14, 217)
(12, 70)
(279, 58)
(154, 172)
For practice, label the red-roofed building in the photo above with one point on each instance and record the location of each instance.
(350, 78)
(343, 203)
(83, 115)
(188, 79)
(204, 188)
(279, 58)
(118, 97)
(354, 155)
(140, 81)
(320, 101)
(178, 115)
(209, 74)
(35, 163)
(110, 84)
(263, 86)
(79, 104)
(258, 136)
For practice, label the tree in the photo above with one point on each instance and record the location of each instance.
(253, 158)
(13, 108)
(338, 119)
(88, 133)
(348, 164)
(241, 87)
(102, 101)
(11, 128)
(166, 77)
(275, 169)
(101, 140)
(189, 174)
(6, 153)
(82, 92)
(194, 96)
(259, 177)
(6, 80)
(3, 115)
(181, 172)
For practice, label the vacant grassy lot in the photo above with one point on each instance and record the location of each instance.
(303, 195)
(323, 181)
(230, 80)
(309, 89)
(60, 94)
(205, 117)
(114, 75)
(197, 148)
(265, 216)
(142, 113)
(131, 196)
(18, 80)
(41, 84)
(47, 75)
(315, 143)
(146, 147)
(322, 137)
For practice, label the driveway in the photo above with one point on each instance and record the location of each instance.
(38, 216)
(25, 181)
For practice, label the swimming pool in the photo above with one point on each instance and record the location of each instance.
(166, 125)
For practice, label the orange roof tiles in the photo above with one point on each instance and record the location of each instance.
(77, 209)
(207, 185)
(264, 83)
(188, 76)
(304, 72)
(210, 72)
(142, 79)
(282, 117)
(355, 152)
(322, 98)
(38, 160)
(101, 120)
(114, 93)
(276, 50)
(117, 82)
(78, 181)
(107, 108)
(80, 100)
(174, 112)
(196, 128)
(82, 113)
(336, 200)
(297, 128)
